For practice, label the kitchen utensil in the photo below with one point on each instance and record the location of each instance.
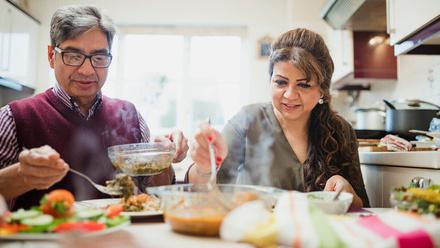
(339, 192)
(370, 119)
(421, 182)
(103, 189)
(212, 185)
(431, 134)
(405, 117)
(141, 159)
(390, 105)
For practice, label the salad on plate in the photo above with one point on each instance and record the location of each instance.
(57, 214)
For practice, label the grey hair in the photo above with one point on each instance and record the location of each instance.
(69, 22)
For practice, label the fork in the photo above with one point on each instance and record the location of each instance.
(103, 189)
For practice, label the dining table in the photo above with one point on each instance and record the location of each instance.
(142, 232)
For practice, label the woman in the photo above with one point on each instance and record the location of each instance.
(295, 142)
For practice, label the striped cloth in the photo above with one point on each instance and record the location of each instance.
(298, 223)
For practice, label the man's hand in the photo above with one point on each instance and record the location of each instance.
(41, 167)
(181, 144)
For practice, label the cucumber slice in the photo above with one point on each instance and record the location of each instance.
(90, 214)
(41, 220)
(24, 214)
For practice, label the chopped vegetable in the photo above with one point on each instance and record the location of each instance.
(82, 226)
(312, 196)
(114, 210)
(58, 203)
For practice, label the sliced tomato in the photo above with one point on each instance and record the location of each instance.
(114, 210)
(83, 226)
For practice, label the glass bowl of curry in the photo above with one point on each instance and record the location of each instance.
(193, 209)
(142, 159)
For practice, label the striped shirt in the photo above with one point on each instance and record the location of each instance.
(9, 149)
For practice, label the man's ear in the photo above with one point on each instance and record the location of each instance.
(51, 56)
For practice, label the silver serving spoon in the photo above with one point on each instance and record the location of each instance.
(212, 185)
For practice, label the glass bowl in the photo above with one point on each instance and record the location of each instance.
(142, 159)
(420, 203)
(192, 209)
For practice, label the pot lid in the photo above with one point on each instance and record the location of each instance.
(413, 104)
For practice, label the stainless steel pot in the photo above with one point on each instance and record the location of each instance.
(370, 119)
(412, 114)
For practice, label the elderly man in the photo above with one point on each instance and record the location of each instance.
(72, 124)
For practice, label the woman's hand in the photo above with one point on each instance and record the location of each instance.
(181, 144)
(200, 149)
(336, 182)
(41, 167)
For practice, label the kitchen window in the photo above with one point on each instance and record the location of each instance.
(178, 77)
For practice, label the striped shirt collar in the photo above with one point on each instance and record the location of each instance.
(70, 102)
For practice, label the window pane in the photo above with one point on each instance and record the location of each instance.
(215, 75)
(215, 58)
(152, 68)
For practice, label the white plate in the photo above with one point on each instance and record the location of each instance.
(103, 203)
(56, 236)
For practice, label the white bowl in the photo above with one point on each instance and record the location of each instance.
(323, 200)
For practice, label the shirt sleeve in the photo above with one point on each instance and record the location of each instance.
(235, 137)
(8, 140)
(145, 131)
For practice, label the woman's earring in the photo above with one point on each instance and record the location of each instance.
(320, 101)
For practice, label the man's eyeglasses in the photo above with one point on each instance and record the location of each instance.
(77, 59)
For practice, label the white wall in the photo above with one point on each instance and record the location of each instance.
(418, 76)
(260, 17)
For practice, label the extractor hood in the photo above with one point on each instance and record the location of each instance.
(358, 15)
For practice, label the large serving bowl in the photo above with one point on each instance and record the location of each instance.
(193, 209)
(142, 158)
(324, 201)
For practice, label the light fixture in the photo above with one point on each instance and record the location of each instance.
(376, 40)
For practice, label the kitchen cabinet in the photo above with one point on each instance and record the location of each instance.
(404, 17)
(379, 179)
(382, 170)
(364, 57)
(18, 46)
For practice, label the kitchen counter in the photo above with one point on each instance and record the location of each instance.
(383, 170)
(419, 159)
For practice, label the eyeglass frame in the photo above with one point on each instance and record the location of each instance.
(61, 52)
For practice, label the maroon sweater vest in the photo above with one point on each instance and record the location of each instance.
(45, 120)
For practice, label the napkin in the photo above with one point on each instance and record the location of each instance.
(295, 222)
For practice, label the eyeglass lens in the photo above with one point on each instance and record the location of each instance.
(77, 59)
